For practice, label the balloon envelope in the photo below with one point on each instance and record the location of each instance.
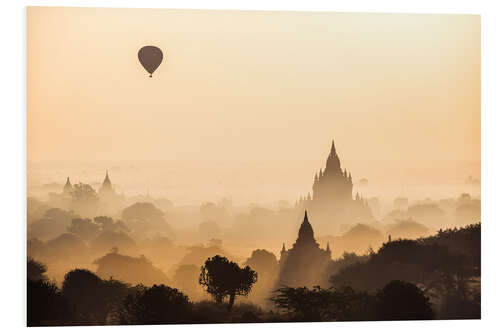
(150, 58)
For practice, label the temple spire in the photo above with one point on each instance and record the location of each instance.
(283, 255)
(306, 233)
(67, 187)
(106, 187)
(106, 181)
(333, 162)
(333, 151)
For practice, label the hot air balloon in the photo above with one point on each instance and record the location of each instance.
(150, 58)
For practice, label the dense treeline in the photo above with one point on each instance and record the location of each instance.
(446, 266)
(437, 277)
(398, 300)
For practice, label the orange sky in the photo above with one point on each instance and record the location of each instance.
(394, 90)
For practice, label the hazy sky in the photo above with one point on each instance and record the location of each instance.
(393, 90)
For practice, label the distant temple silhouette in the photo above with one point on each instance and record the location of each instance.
(332, 201)
(108, 197)
(67, 187)
(304, 263)
(106, 187)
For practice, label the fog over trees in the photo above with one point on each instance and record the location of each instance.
(140, 266)
(99, 257)
(250, 167)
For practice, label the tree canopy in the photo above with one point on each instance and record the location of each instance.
(400, 300)
(156, 305)
(223, 278)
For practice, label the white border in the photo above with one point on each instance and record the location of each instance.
(13, 153)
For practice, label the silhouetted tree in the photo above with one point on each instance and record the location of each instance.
(85, 291)
(36, 270)
(305, 304)
(114, 293)
(156, 305)
(464, 241)
(223, 278)
(92, 299)
(317, 304)
(400, 300)
(415, 261)
(45, 304)
(446, 265)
